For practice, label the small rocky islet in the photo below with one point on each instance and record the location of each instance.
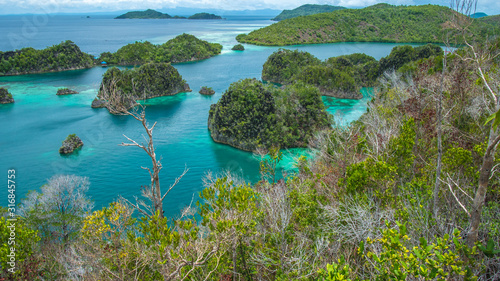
(70, 144)
(5, 96)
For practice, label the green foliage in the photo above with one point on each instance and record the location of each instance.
(489, 250)
(124, 87)
(400, 55)
(18, 236)
(64, 56)
(269, 163)
(204, 16)
(379, 23)
(238, 47)
(305, 10)
(282, 65)
(335, 272)
(250, 115)
(445, 259)
(182, 48)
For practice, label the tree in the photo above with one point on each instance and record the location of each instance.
(60, 207)
(482, 57)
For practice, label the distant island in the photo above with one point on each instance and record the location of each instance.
(147, 14)
(152, 14)
(306, 10)
(120, 89)
(378, 23)
(478, 15)
(204, 16)
(64, 56)
(182, 48)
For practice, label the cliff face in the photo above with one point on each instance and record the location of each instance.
(250, 116)
(121, 88)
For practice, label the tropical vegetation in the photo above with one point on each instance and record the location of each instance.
(204, 16)
(120, 89)
(378, 23)
(182, 48)
(147, 14)
(64, 56)
(251, 116)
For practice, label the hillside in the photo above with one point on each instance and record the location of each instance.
(378, 23)
(494, 20)
(148, 14)
(305, 10)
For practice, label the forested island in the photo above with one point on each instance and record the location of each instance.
(204, 16)
(68, 56)
(251, 116)
(378, 23)
(120, 89)
(64, 56)
(147, 14)
(342, 76)
(152, 14)
(182, 48)
(305, 10)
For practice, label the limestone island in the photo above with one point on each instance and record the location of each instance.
(5, 96)
(252, 116)
(238, 47)
(71, 143)
(306, 10)
(147, 14)
(64, 56)
(65, 91)
(204, 16)
(182, 48)
(208, 91)
(120, 89)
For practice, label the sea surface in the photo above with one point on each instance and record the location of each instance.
(32, 129)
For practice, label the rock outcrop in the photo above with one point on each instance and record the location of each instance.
(65, 91)
(208, 91)
(5, 96)
(71, 143)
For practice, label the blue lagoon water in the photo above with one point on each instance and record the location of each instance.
(33, 128)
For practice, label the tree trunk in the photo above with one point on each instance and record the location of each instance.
(484, 178)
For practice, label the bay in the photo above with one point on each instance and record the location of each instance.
(33, 128)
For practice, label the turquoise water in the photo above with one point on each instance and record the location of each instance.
(33, 128)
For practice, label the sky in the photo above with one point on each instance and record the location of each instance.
(490, 7)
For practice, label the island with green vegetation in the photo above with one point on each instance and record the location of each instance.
(64, 56)
(306, 10)
(378, 23)
(120, 89)
(204, 16)
(70, 144)
(238, 47)
(5, 96)
(207, 91)
(342, 76)
(182, 48)
(65, 91)
(147, 14)
(252, 116)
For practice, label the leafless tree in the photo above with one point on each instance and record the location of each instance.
(59, 207)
